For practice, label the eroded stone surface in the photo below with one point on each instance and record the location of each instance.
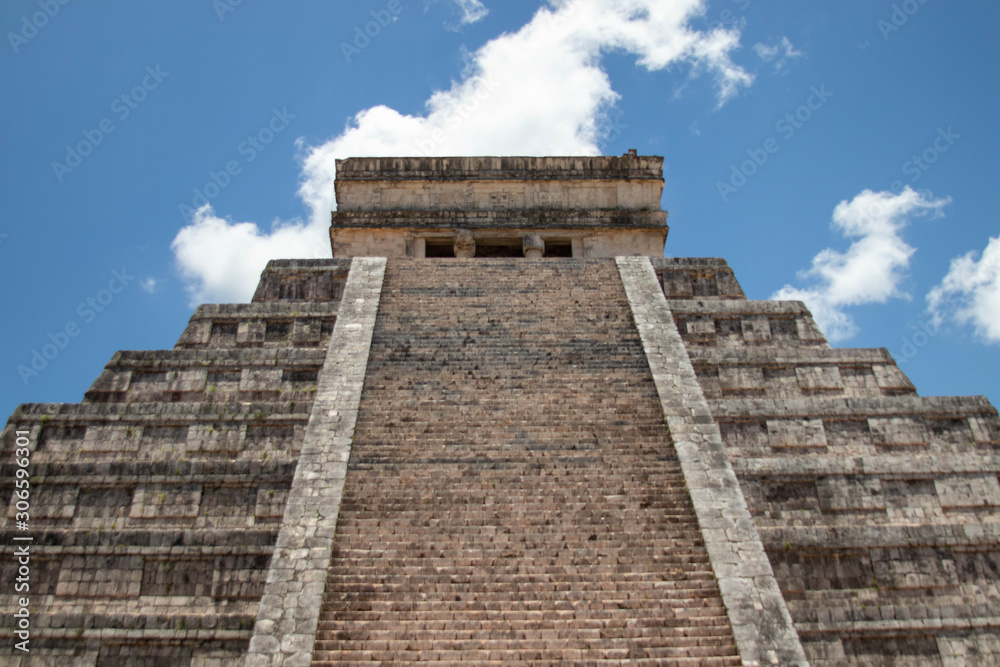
(412, 207)
(157, 501)
(513, 494)
(290, 607)
(761, 623)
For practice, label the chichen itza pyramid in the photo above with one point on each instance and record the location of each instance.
(500, 427)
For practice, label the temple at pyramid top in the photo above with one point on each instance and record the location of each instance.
(499, 207)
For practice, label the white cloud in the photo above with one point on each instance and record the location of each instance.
(779, 53)
(537, 91)
(970, 292)
(150, 284)
(472, 10)
(221, 260)
(872, 268)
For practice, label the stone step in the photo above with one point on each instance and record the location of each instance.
(313, 280)
(580, 657)
(696, 278)
(513, 657)
(511, 472)
(740, 323)
(500, 625)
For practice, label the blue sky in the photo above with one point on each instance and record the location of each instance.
(843, 153)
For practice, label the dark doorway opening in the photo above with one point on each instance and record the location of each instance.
(558, 249)
(499, 248)
(439, 248)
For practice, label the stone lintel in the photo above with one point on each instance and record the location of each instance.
(500, 168)
(853, 408)
(757, 611)
(495, 183)
(831, 538)
(535, 218)
(398, 243)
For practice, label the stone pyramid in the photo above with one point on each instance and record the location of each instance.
(498, 427)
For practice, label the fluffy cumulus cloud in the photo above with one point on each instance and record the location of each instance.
(872, 268)
(221, 260)
(472, 10)
(970, 292)
(537, 91)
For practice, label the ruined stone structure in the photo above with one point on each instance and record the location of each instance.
(499, 427)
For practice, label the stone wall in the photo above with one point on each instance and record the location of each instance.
(475, 183)
(600, 206)
(879, 509)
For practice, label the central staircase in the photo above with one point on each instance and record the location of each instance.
(513, 494)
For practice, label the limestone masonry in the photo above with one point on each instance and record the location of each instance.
(499, 427)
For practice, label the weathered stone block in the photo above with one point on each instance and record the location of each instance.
(796, 433)
(166, 501)
(890, 431)
(968, 491)
(838, 494)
